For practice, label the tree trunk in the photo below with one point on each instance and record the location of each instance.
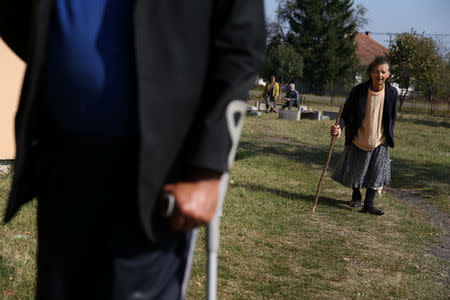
(332, 96)
(282, 87)
(430, 93)
(430, 101)
(403, 97)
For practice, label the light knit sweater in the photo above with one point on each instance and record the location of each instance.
(371, 132)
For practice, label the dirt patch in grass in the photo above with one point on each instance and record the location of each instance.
(437, 217)
(283, 140)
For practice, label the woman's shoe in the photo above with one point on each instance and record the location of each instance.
(356, 198)
(372, 210)
(354, 203)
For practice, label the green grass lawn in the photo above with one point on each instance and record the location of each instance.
(17, 255)
(273, 247)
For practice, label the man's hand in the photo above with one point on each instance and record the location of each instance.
(335, 130)
(195, 201)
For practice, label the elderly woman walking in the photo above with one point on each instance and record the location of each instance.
(369, 117)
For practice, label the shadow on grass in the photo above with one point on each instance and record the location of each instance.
(431, 123)
(412, 174)
(305, 154)
(307, 198)
(406, 173)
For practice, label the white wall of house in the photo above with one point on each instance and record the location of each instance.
(12, 70)
(259, 81)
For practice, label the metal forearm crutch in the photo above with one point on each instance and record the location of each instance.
(235, 113)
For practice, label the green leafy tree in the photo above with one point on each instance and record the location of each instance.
(444, 78)
(415, 62)
(322, 31)
(274, 33)
(426, 75)
(402, 56)
(284, 63)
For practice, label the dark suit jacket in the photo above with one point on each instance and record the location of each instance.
(355, 109)
(205, 52)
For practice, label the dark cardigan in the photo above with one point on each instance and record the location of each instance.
(355, 108)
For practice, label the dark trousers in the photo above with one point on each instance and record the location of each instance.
(271, 103)
(91, 245)
(290, 104)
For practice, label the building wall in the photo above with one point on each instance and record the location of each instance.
(11, 75)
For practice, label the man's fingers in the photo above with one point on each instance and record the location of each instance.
(177, 223)
(196, 201)
(199, 210)
(189, 215)
(183, 223)
(189, 224)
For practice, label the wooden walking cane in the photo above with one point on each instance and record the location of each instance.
(328, 161)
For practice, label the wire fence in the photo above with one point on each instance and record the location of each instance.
(419, 104)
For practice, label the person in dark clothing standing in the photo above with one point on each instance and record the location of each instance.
(97, 155)
(292, 98)
(369, 116)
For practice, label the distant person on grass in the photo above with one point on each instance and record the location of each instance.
(369, 117)
(292, 98)
(97, 154)
(271, 92)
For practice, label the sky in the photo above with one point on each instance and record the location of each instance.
(393, 16)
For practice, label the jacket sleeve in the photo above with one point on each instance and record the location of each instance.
(394, 107)
(15, 20)
(348, 107)
(237, 53)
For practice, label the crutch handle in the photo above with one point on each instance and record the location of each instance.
(167, 204)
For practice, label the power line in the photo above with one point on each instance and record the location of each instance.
(384, 33)
(394, 33)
